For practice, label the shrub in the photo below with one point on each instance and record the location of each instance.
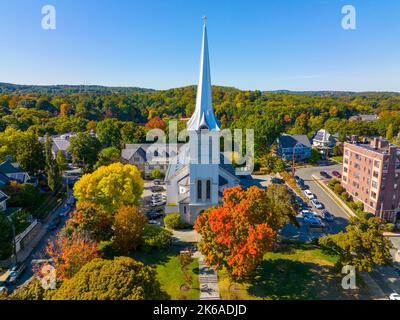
(389, 227)
(156, 237)
(338, 189)
(172, 221)
(155, 174)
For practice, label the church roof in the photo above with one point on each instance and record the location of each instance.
(203, 116)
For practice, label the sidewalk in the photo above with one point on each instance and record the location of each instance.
(208, 280)
(24, 253)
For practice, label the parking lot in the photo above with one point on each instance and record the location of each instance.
(153, 202)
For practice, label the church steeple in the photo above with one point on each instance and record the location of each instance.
(204, 117)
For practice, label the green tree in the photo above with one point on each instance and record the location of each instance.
(84, 149)
(120, 279)
(363, 245)
(172, 221)
(155, 174)
(315, 156)
(156, 237)
(390, 132)
(52, 170)
(6, 237)
(108, 156)
(61, 161)
(109, 133)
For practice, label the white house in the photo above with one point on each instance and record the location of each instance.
(196, 180)
(323, 141)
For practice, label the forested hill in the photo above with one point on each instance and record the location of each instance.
(67, 89)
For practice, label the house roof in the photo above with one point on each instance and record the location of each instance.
(4, 179)
(3, 196)
(324, 136)
(8, 167)
(141, 149)
(289, 141)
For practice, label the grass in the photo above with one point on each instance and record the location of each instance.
(296, 272)
(169, 273)
(337, 158)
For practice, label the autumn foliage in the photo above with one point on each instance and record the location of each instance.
(155, 123)
(70, 254)
(236, 235)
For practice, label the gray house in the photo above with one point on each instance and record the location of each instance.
(298, 146)
(150, 156)
(13, 171)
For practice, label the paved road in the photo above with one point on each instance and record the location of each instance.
(39, 251)
(341, 218)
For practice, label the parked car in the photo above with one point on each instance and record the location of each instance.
(336, 174)
(309, 194)
(277, 181)
(71, 201)
(157, 202)
(317, 204)
(158, 196)
(157, 182)
(15, 273)
(64, 210)
(306, 213)
(54, 224)
(325, 174)
(3, 290)
(157, 189)
(394, 296)
(314, 221)
(154, 223)
(155, 214)
(304, 187)
(327, 216)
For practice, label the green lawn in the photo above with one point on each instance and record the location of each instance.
(296, 272)
(169, 273)
(337, 158)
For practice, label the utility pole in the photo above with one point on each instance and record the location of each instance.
(294, 160)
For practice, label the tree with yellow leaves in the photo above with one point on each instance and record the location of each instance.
(111, 186)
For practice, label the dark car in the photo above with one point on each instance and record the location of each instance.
(15, 273)
(157, 189)
(304, 187)
(325, 174)
(336, 174)
(277, 181)
(54, 224)
(327, 216)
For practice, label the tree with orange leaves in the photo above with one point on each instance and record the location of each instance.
(70, 254)
(236, 235)
(155, 123)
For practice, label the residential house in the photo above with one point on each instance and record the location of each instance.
(60, 143)
(298, 146)
(150, 156)
(3, 201)
(13, 171)
(324, 142)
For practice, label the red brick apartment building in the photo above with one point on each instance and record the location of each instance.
(371, 174)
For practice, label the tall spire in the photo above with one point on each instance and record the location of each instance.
(203, 117)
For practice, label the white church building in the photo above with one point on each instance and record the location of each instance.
(197, 179)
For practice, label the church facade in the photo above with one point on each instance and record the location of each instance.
(196, 180)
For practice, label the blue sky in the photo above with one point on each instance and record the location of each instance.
(264, 44)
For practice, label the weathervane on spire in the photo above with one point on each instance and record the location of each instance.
(204, 19)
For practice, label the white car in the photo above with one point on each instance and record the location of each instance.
(309, 194)
(154, 223)
(317, 204)
(157, 202)
(3, 290)
(394, 296)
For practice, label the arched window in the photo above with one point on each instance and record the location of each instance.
(199, 189)
(208, 190)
